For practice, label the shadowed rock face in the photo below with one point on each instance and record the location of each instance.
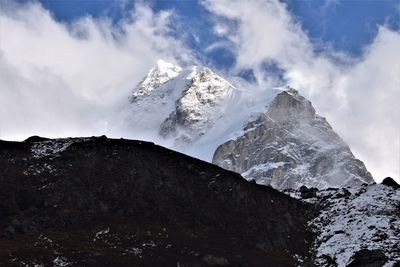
(289, 146)
(388, 181)
(368, 258)
(104, 202)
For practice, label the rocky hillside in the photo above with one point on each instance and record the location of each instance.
(108, 202)
(289, 146)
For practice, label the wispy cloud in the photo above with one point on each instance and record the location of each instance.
(330, 4)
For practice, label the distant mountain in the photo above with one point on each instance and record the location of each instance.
(272, 136)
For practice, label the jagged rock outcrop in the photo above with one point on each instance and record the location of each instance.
(289, 146)
(109, 202)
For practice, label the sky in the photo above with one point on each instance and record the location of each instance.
(67, 65)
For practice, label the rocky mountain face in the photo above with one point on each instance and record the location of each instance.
(273, 136)
(108, 202)
(289, 146)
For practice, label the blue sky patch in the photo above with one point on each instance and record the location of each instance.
(344, 25)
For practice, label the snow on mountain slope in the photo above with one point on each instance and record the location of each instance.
(201, 105)
(192, 110)
(290, 145)
(158, 75)
(151, 102)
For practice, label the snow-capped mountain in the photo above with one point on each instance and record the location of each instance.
(289, 146)
(272, 136)
(175, 106)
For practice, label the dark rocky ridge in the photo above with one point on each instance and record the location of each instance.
(108, 202)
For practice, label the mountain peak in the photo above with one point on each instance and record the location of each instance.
(161, 64)
(291, 91)
(161, 73)
(289, 105)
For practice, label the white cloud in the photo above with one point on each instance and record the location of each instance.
(220, 29)
(61, 80)
(370, 118)
(359, 96)
(281, 38)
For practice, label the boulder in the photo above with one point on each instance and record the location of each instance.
(368, 258)
(388, 181)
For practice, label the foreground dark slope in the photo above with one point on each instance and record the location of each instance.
(108, 202)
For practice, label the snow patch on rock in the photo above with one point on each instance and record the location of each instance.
(50, 147)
